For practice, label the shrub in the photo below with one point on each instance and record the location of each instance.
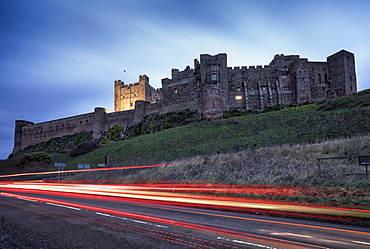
(35, 157)
(115, 131)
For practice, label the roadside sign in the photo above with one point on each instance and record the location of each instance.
(364, 160)
(83, 166)
(59, 164)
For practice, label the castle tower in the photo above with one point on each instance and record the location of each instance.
(19, 124)
(213, 101)
(99, 121)
(126, 95)
(214, 78)
(342, 74)
(140, 110)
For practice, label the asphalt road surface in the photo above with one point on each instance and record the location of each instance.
(34, 220)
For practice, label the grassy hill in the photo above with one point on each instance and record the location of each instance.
(272, 147)
(298, 125)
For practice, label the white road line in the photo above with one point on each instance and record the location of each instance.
(104, 214)
(137, 221)
(360, 242)
(25, 199)
(63, 206)
(246, 243)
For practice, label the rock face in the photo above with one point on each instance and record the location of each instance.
(211, 88)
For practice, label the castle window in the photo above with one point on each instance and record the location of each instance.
(319, 77)
(326, 78)
(238, 97)
(238, 89)
(215, 77)
(215, 91)
(175, 91)
(215, 68)
(350, 78)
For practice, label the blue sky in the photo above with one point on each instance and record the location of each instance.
(59, 58)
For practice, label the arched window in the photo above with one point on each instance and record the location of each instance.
(319, 78)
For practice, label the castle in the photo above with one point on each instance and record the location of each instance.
(210, 88)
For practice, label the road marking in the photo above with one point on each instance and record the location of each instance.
(98, 213)
(137, 221)
(58, 205)
(245, 243)
(360, 242)
(26, 200)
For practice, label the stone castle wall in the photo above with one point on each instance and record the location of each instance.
(28, 133)
(210, 88)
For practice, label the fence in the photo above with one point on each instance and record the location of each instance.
(362, 161)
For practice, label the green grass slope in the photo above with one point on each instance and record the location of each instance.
(298, 125)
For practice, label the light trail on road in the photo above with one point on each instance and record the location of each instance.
(141, 193)
(181, 197)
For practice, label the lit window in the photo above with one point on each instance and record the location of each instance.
(238, 89)
(175, 91)
(239, 97)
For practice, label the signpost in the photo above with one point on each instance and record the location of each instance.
(60, 174)
(364, 160)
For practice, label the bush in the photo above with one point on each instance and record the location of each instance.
(84, 148)
(35, 157)
(115, 131)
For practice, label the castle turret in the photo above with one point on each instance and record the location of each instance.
(213, 101)
(99, 121)
(214, 77)
(342, 74)
(19, 124)
(140, 110)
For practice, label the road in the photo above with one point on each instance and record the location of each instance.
(52, 219)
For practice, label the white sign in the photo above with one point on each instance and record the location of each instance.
(83, 166)
(59, 164)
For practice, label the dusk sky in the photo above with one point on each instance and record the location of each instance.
(60, 58)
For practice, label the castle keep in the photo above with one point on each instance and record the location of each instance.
(210, 88)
